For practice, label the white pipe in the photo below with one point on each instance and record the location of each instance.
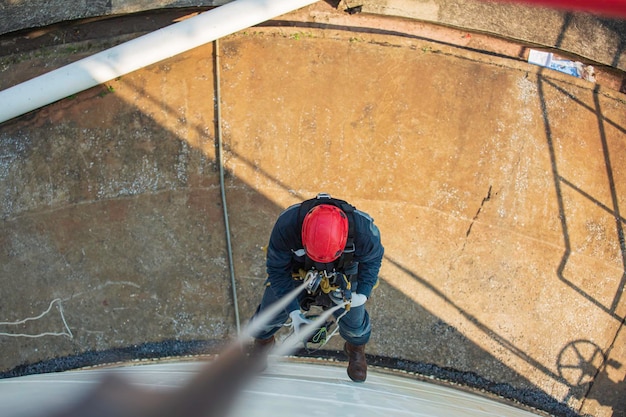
(140, 52)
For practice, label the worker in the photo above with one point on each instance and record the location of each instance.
(333, 239)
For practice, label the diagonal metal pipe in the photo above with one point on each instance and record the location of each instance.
(140, 52)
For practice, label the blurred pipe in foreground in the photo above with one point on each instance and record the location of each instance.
(211, 393)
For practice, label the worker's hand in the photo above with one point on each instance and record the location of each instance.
(355, 300)
(298, 320)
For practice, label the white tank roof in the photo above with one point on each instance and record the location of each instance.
(286, 388)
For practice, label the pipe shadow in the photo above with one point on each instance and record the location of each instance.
(591, 370)
(560, 181)
(490, 333)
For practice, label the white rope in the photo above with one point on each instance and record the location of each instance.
(67, 333)
(293, 340)
(290, 343)
(267, 315)
(334, 331)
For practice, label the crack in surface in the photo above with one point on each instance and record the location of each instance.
(485, 199)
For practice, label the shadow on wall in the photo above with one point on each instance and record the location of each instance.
(579, 365)
(582, 363)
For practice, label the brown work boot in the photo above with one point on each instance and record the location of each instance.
(357, 366)
(259, 351)
(263, 346)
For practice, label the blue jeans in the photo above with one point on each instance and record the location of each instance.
(354, 326)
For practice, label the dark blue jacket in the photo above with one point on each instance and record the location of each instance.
(285, 250)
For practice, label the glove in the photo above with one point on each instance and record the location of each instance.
(298, 320)
(357, 299)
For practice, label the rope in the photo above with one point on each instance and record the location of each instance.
(328, 337)
(67, 333)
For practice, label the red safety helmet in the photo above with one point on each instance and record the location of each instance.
(324, 233)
